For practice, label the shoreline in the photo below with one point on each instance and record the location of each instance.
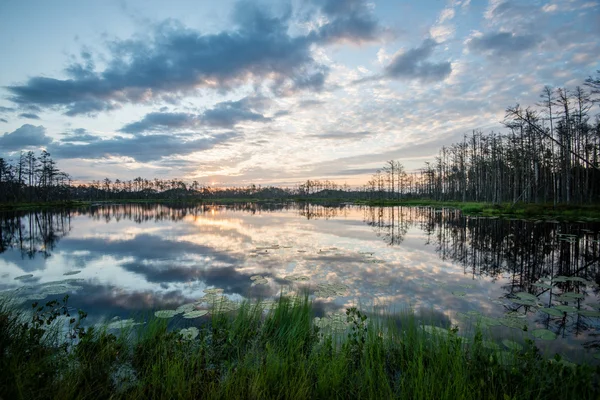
(504, 210)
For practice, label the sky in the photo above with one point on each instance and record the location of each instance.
(275, 92)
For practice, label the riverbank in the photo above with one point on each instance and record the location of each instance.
(503, 210)
(508, 210)
(285, 353)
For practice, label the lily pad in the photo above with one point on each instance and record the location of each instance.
(543, 334)
(526, 296)
(185, 308)
(189, 333)
(256, 277)
(296, 277)
(552, 311)
(543, 285)
(435, 330)
(572, 295)
(589, 313)
(578, 279)
(489, 321)
(459, 293)
(195, 314)
(566, 309)
(512, 345)
(165, 313)
(513, 323)
(122, 324)
(522, 302)
(490, 345)
(261, 281)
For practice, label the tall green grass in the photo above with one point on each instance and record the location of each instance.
(280, 354)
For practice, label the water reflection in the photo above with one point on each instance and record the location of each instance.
(137, 257)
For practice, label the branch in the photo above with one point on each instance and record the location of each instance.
(518, 115)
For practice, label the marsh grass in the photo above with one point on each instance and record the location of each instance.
(253, 354)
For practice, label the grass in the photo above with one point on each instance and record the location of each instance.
(248, 354)
(519, 210)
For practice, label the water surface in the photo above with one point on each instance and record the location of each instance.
(124, 260)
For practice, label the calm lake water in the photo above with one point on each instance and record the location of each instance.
(124, 260)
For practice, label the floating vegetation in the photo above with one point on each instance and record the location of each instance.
(560, 279)
(296, 278)
(579, 279)
(512, 345)
(268, 304)
(435, 330)
(552, 311)
(195, 314)
(543, 334)
(543, 285)
(214, 290)
(589, 313)
(259, 280)
(23, 277)
(189, 333)
(526, 296)
(572, 295)
(186, 308)
(566, 309)
(468, 286)
(337, 322)
(514, 323)
(523, 302)
(75, 272)
(121, 324)
(331, 290)
(490, 345)
(165, 313)
(459, 293)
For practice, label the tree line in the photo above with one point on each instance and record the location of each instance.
(548, 153)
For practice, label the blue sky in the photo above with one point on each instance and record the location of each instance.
(275, 92)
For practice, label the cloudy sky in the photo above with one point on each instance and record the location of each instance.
(274, 92)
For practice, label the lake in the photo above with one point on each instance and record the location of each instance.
(122, 261)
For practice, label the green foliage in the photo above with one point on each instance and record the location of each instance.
(279, 354)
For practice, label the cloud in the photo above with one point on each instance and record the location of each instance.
(80, 135)
(6, 109)
(342, 135)
(29, 116)
(347, 21)
(175, 60)
(229, 113)
(502, 44)
(223, 115)
(141, 148)
(25, 136)
(161, 121)
(3, 120)
(413, 64)
(508, 10)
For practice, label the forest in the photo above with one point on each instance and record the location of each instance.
(548, 153)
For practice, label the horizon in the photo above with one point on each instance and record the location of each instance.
(275, 93)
